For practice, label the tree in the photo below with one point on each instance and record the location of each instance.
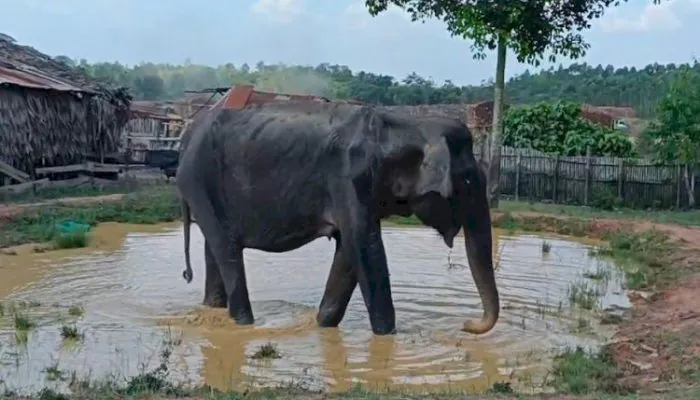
(675, 137)
(65, 60)
(150, 87)
(641, 89)
(530, 28)
(560, 129)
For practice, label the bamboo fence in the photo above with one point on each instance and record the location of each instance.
(529, 175)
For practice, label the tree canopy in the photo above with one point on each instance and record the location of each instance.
(675, 137)
(640, 88)
(530, 28)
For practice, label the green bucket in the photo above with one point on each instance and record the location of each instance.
(71, 227)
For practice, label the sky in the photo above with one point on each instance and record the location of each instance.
(311, 32)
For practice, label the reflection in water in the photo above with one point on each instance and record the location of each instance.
(132, 291)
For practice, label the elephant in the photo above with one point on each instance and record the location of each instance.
(276, 176)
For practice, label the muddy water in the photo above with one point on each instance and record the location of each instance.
(136, 305)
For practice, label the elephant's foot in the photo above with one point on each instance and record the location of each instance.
(386, 329)
(242, 318)
(384, 321)
(241, 311)
(329, 317)
(215, 301)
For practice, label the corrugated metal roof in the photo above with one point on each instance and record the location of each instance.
(153, 110)
(29, 77)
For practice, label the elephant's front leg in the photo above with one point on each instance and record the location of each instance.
(367, 249)
(341, 283)
(214, 288)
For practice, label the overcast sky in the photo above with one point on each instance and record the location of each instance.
(314, 31)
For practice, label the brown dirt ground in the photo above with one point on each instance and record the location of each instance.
(653, 347)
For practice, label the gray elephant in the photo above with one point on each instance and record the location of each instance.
(275, 177)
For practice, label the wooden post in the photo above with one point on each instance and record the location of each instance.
(517, 176)
(620, 177)
(587, 178)
(679, 178)
(556, 180)
(90, 169)
(692, 186)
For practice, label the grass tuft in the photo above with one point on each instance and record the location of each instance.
(546, 247)
(23, 323)
(266, 351)
(584, 296)
(580, 372)
(76, 311)
(70, 333)
(75, 240)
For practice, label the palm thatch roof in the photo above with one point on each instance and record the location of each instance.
(52, 114)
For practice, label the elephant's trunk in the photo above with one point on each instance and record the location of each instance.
(187, 221)
(478, 245)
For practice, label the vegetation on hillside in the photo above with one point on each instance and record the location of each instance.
(641, 88)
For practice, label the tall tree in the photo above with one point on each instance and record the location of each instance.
(675, 137)
(533, 29)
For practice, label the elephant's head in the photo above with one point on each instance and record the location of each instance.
(432, 173)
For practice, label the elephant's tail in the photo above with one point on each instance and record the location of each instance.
(187, 222)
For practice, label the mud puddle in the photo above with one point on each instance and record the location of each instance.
(126, 297)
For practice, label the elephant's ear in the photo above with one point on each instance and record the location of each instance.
(415, 171)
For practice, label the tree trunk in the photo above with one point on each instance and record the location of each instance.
(690, 186)
(496, 139)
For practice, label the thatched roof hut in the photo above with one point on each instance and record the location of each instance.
(52, 114)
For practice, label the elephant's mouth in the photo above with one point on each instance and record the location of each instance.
(449, 236)
(435, 211)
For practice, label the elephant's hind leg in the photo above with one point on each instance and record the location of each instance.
(212, 219)
(341, 283)
(214, 289)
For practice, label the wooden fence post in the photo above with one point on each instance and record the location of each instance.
(587, 181)
(620, 177)
(678, 185)
(517, 177)
(556, 180)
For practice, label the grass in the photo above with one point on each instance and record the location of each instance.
(76, 311)
(684, 218)
(73, 240)
(600, 274)
(122, 186)
(583, 295)
(70, 333)
(546, 247)
(644, 257)
(579, 372)
(266, 351)
(23, 323)
(159, 204)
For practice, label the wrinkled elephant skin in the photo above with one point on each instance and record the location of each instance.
(278, 176)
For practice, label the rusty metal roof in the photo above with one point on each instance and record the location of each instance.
(17, 74)
(153, 110)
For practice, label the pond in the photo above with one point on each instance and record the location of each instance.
(129, 303)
